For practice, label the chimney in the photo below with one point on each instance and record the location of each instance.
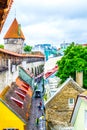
(79, 78)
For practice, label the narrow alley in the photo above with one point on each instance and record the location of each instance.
(36, 112)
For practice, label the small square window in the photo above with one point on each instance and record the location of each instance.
(71, 102)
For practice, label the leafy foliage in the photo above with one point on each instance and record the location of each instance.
(45, 97)
(2, 46)
(27, 48)
(74, 59)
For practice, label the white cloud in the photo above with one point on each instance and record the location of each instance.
(51, 21)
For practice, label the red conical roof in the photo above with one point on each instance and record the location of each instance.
(14, 31)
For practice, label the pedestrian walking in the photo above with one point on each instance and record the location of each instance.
(41, 104)
(37, 121)
(27, 116)
(42, 117)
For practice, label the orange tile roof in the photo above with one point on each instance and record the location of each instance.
(13, 31)
(16, 103)
(20, 83)
(4, 11)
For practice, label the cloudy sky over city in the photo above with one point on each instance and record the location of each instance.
(50, 21)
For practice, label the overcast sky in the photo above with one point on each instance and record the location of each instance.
(50, 21)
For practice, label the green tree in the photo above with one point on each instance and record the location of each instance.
(74, 59)
(2, 46)
(27, 48)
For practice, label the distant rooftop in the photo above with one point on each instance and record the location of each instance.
(52, 71)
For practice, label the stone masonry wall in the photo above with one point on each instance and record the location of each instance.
(14, 48)
(58, 109)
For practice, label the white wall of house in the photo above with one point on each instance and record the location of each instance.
(7, 77)
(51, 63)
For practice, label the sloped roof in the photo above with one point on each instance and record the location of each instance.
(20, 105)
(27, 72)
(50, 72)
(24, 86)
(69, 81)
(13, 31)
(80, 98)
(5, 6)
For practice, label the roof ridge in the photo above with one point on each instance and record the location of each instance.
(77, 85)
(60, 88)
(64, 83)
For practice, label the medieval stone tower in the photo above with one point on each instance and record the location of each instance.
(14, 38)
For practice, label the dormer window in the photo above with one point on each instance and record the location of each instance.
(26, 87)
(20, 94)
(19, 103)
(71, 102)
(22, 90)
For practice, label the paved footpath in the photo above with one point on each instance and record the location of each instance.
(35, 113)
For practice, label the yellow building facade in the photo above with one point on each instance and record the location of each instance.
(9, 119)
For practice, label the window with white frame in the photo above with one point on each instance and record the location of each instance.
(71, 102)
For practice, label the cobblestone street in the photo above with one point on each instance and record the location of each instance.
(36, 113)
